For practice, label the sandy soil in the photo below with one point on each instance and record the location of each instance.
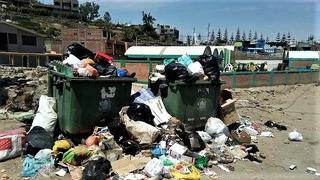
(296, 106)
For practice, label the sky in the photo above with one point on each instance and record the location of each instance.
(299, 17)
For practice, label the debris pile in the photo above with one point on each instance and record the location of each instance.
(146, 142)
(20, 88)
(84, 63)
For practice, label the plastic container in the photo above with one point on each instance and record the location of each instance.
(83, 102)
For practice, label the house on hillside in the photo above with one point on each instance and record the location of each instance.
(14, 38)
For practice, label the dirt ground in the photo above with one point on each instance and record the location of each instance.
(297, 106)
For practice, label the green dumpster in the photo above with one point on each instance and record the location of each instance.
(83, 102)
(193, 103)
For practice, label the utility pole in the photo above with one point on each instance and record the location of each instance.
(194, 36)
(208, 33)
(136, 40)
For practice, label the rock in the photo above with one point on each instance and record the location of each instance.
(3, 170)
(5, 177)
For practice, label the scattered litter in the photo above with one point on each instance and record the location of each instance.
(204, 136)
(223, 168)
(266, 134)
(75, 156)
(134, 176)
(75, 172)
(311, 170)
(272, 124)
(153, 168)
(61, 172)
(209, 172)
(124, 166)
(295, 136)
(292, 167)
(97, 169)
(185, 171)
(144, 133)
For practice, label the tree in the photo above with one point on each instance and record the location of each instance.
(188, 40)
(261, 36)
(278, 37)
(255, 37)
(232, 38)
(250, 36)
(238, 36)
(244, 38)
(225, 36)
(199, 37)
(289, 37)
(283, 39)
(148, 21)
(311, 38)
(219, 36)
(107, 17)
(89, 11)
(212, 38)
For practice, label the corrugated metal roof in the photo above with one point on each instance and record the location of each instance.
(303, 54)
(166, 51)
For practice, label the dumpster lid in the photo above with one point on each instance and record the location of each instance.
(109, 79)
(198, 82)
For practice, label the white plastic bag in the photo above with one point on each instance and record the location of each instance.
(144, 133)
(72, 60)
(221, 138)
(204, 136)
(46, 117)
(295, 136)
(214, 126)
(158, 110)
(44, 154)
(195, 68)
(153, 168)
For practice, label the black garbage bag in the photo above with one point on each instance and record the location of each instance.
(130, 147)
(97, 169)
(105, 69)
(79, 51)
(140, 112)
(193, 141)
(119, 133)
(159, 87)
(210, 66)
(176, 71)
(38, 138)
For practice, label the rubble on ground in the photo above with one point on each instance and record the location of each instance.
(22, 87)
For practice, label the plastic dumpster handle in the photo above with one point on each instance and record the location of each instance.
(59, 84)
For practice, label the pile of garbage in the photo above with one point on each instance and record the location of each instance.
(85, 63)
(20, 87)
(146, 142)
(185, 69)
